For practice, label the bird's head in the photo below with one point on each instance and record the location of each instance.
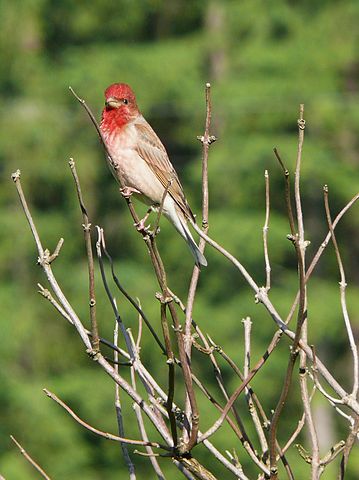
(120, 105)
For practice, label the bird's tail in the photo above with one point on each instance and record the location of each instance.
(179, 221)
(199, 258)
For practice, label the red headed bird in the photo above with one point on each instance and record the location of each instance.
(142, 163)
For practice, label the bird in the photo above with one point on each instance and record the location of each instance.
(140, 163)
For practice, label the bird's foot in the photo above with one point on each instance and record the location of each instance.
(141, 227)
(141, 224)
(126, 192)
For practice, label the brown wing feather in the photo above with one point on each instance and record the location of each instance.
(150, 148)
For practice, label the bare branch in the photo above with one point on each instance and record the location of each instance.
(30, 459)
(56, 251)
(109, 294)
(16, 178)
(265, 231)
(343, 301)
(91, 272)
(298, 203)
(171, 373)
(47, 294)
(138, 412)
(206, 141)
(108, 436)
(299, 427)
(300, 246)
(320, 250)
(287, 193)
(43, 260)
(127, 295)
(118, 409)
(247, 323)
(349, 443)
(304, 335)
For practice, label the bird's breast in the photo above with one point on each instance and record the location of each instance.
(129, 168)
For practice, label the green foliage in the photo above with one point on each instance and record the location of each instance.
(277, 55)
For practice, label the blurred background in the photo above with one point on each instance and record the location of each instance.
(262, 59)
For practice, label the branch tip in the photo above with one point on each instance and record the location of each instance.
(16, 175)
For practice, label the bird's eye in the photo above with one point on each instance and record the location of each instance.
(125, 101)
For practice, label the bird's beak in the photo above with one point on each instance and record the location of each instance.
(112, 102)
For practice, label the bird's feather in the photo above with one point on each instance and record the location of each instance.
(150, 149)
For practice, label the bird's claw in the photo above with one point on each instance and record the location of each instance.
(141, 226)
(126, 192)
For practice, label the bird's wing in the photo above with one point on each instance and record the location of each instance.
(150, 148)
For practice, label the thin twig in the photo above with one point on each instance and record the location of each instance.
(171, 373)
(43, 261)
(242, 435)
(137, 409)
(247, 323)
(343, 285)
(30, 459)
(265, 232)
(47, 294)
(349, 443)
(109, 294)
(287, 194)
(206, 141)
(119, 417)
(128, 296)
(166, 298)
(91, 273)
(299, 427)
(109, 436)
(298, 202)
(16, 179)
(140, 330)
(299, 245)
(304, 333)
(254, 397)
(320, 251)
